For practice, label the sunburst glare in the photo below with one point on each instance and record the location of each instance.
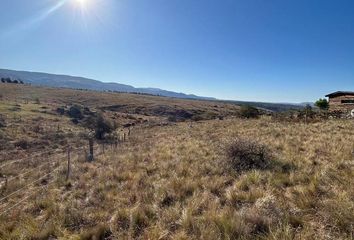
(83, 3)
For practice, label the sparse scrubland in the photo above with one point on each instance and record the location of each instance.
(234, 178)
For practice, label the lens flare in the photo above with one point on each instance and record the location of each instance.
(83, 3)
(34, 21)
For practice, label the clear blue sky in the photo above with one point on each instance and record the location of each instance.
(263, 50)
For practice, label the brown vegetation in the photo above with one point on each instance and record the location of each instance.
(171, 181)
(246, 154)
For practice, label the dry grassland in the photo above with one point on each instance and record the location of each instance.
(173, 183)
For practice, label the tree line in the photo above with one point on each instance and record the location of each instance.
(9, 80)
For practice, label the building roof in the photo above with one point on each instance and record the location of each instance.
(340, 93)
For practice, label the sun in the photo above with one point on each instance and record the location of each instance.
(89, 12)
(82, 3)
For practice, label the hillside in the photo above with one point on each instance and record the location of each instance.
(64, 81)
(168, 180)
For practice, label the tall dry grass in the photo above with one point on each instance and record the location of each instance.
(173, 182)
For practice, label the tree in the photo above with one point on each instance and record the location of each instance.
(99, 125)
(102, 127)
(322, 104)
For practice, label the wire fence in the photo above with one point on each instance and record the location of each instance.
(40, 154)
(8, 203)
(10, 162)
(27, 185)
(24, 199)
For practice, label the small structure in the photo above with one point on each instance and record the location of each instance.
(341, 102)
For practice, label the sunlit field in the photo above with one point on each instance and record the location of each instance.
(173, 180)
(176, 120)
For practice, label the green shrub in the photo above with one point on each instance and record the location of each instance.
(322, 104)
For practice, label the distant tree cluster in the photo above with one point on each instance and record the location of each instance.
(9, 80)
(322, 104)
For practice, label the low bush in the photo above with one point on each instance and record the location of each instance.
(245, 154)
(23, 144)
(75, 121)
(247, 111)
(75, 112)
(60, 110)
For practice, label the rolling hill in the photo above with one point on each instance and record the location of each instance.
(65, 81)
(74, 82)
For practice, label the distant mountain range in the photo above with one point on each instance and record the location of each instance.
(65, 81)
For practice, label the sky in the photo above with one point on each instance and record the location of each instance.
(256, 50)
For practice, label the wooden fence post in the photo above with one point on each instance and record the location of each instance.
(69, 167)
(5, 185)
(28, 161)
(48, 164)
(90, 157)
(85, 154)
